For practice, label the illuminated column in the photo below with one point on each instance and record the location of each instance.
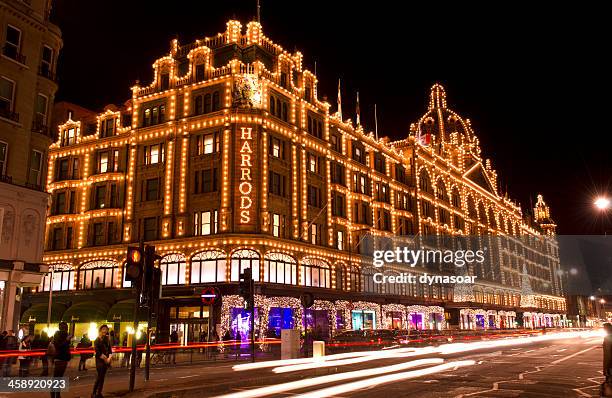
(294, 192)
(131, 180)
(304, 176)
(84, 221)
(330, 232)
(265, 216)
(169, 179)
(225, 181)
(183, 218)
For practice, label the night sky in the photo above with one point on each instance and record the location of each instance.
(530, 80)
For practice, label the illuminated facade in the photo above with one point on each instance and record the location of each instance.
(229, 160)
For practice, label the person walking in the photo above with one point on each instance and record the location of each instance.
(44, 344)
(59, 349)
(103, 349)
(174, 338)
(84, 344)
(10, 343)
(24, 360)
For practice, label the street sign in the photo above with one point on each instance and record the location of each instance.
(209, 295)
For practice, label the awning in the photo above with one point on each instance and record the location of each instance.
(37, 313)
(123, 311)
(88, 311)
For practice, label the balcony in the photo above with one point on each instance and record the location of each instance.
(9, 114)
(13, 53)
(40, 128)
(45, 72)
(6, 179)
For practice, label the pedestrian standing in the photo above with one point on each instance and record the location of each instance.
(103, 359)
(174, 338)
(84, 344)
(59, 349)
(10, 343)
(44, 344)
(24, 360)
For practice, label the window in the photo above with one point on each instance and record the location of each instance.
(283, 79)
(165, 81)
(338, 205)
(98, 234)
(7, 96)
(154, 154)
(98, 275)
(340, 240)
(46, 61)
(314, 196)
(63, 279)
(199, 72)
(315, 273)
(280, 268)
(3, 157)
(173, 269)
(152, 189)
(111, 233)
(207, 143)
(358, 152)
(208, 266)
(379, 163)
(69, 136)
(314, 127)
(57, 238)
(40, 118)
(71, 202)
(35, 174)
(276, 184)
(103, 160)
(336, 142)
(215, 101)
(150, 228)
(278, 225)
(205, 181)
(62, 169)
(59, 203)
(337, 173)
(313, 163)
(242, 259)
(206, 222)
(12, 43)
(314, 233)
(75, 169)
(277, 148)
(114, 197)
(107, 127)
(100, 197)
(154, 115)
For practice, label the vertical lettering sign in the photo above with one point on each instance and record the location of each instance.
(246, 194)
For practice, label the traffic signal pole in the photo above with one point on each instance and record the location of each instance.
(138, 288)
(252, 300)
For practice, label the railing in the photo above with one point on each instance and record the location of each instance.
(47, 73)
(11, 52)
(38, 127)
(8, 114)
(226, 70)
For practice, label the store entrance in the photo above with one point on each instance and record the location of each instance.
(191, 324)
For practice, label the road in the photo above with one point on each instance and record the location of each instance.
(556, 368)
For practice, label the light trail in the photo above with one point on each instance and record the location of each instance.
(367, 383)
(315, 381)
(401, 353)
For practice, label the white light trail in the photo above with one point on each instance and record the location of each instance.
(367, 383)
(399, 353)
(315, 381)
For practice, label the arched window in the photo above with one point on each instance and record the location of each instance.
(472, 208)
(456, 198)
(492, 219)
(354, 279)
(98, 274)
(63, 278)
(424, 183)
(341, 277)
(208, 266)
(173, 269)
(280, 268)
(242, 259)
(482, 213)
(441, 191)
(124, 283)
(315, 273)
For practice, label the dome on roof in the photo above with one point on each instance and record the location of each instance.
(442, 122)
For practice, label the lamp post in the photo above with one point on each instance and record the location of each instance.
(603, 204)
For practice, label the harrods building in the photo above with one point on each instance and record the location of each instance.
(230, 159)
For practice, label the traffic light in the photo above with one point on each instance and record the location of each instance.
(246, 288)
(152, 275)
(135, 263)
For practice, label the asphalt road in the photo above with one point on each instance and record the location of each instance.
(558, 369)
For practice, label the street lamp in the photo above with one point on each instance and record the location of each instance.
(602, 203)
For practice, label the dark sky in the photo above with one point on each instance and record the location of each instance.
(533, 81)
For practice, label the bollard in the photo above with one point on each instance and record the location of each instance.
(318, 349)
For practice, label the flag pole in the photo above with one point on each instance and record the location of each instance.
(375, 122)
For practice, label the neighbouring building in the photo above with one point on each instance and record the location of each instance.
(30, 45)
(229, 160)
